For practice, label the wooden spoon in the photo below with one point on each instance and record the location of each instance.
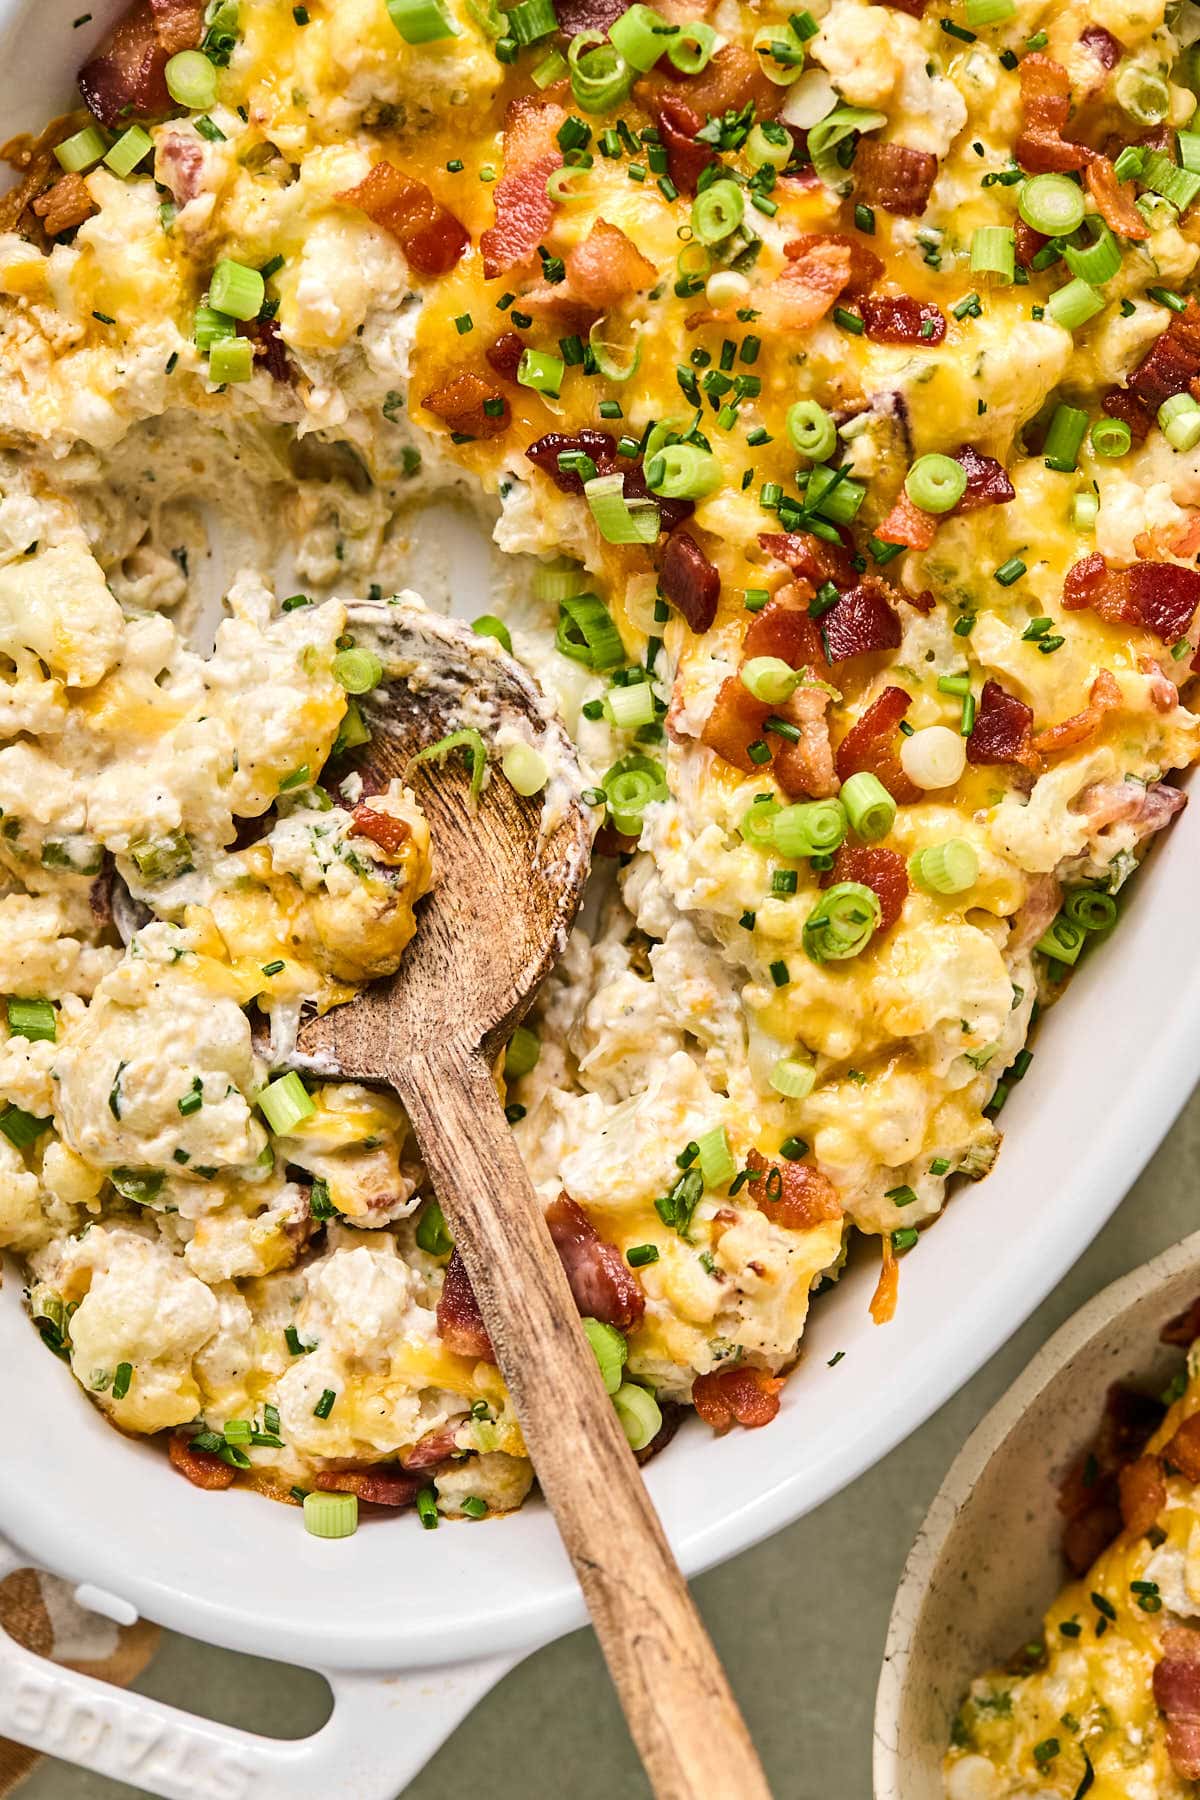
(508, 879)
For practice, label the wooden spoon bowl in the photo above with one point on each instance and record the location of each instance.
(508, 875)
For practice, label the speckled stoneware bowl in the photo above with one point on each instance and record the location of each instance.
(986, 1562)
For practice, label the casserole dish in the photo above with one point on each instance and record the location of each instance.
(383, 1611)
(958, 1610)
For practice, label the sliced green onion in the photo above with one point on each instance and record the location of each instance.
(832, 494)
(1143, 94)
(638, 1256)
(432, 1234)
(949, 868)
(525, 769)
(331, 1515)
(587, 634)
(993, 247)
(715, 1157)
(524, 1049)
(869, 806)
(630, 707)
(33, 1019)
(717, 212)
(637, 1409)
(80, 151)
(1085, 510)
(131, 148)
(556, 580)
(769, 679)
(683, 472)
(616, 361)
(231, 359)
(842, 923)
(285, 1102)
(618, 520)
(542, 371)
(1051, 204)
(1091, 909)
(989, 12)
(1062, 940)
(757, 824)
(550, 70)
(769, 146)
(632, 785)
(1189, 151)
(1179, 420)
(825, 139)
(813, 828)
(568, 186)
(936, 483)
(811, 430)
(1162, 176)
(610, 1350)
(1100, 260)
(22, 1129)
(1068, 428)
(421, 21)
(209, 327)
(792, 1078)
(531, 20)
(191, 80)
(600, 76)
(780, 52)
(1110, 437)
(691, 46)
(236, 290)
(352, 731)
(358, 671)
(465, 738)
(162, 859)
(639, 35)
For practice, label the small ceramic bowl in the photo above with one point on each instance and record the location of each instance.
(987, 1563)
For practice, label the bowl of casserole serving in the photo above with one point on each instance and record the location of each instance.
(1043, 1639)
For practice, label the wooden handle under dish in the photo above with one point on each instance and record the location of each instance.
(681, 1712)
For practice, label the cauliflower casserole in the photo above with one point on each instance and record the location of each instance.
(826, 378)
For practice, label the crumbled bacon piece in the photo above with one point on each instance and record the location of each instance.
(670, 512)
(804, 767)
(813, 558)
(1183, 1327)
(1143, 1494)
(380, 1484)
(1171, 364)
(897, 319)
(736, 1396)
(687, 156)
(785, 628)
(1003, 729)
(865, 266)
(523, 207)
(893, 176)
(1102, 45)
(735, 722)
(1183, 1450)
(1119, 403)
(545, 452)
(201, 1467)
(602, 1284)
(125, 77)
(1089, 1494)
(860, 622)
(269, 347)
(461, 403)
(734, 78)
(504, 355)
(908, 524)
(1114, 202)
(1104, 698)
(800, 1198)
(914, 8)
(575, 16)
(806, 287)
(430, 236)
(459, 1320)
(881, 870)
(437, 1446)
(672, 1418)
(1027, 242)
(1177, 1696)
(600, 272)
(987, 482)
(1045, 106)
(873, 743)
(689, 580)
(64, 205)
(1157, 596)
(381, 828)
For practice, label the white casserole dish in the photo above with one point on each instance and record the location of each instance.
(987, 1560)
(412, 1627)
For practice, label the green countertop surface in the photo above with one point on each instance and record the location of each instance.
(799, 1621)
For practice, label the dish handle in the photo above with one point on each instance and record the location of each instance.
(382, 1730)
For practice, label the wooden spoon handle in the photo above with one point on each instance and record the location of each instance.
(681, 1712)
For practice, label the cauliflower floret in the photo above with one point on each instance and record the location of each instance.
(500, 1481)
(56, 605)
